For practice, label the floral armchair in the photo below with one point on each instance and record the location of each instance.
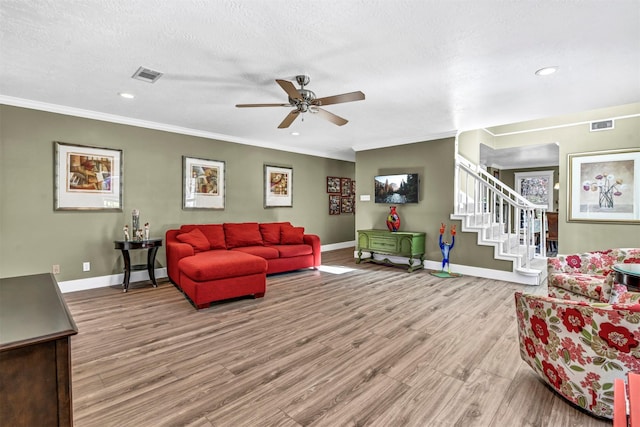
(587, 276)
(579, 348)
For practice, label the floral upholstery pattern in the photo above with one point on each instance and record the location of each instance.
(586, 276)
(579, 348)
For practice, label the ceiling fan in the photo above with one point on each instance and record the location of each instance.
(303, 100)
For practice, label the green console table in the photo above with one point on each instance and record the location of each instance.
(399, 243)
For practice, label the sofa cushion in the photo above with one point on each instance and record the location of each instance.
(220, 264)
(196, 239)
(292, 235)
(213, 232)
(589, 285)
(271, 232)
(266, 252)
(290, 251)
(242, 234)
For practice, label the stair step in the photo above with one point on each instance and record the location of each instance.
(528, 271)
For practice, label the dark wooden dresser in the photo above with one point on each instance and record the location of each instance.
(35, 353)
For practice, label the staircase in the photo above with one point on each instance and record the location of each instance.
(503, 219)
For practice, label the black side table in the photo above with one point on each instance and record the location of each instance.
(628, 275)
(126, 245)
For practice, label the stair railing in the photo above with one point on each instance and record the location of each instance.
(503, 215)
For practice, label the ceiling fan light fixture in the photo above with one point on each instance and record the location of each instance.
(126, 95)
(305, 101)
(295, 133)
(547, 71)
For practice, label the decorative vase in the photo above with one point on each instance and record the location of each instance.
(135, 223)
(393, 220)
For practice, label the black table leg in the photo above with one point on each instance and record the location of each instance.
(127, 270)
(151, 261)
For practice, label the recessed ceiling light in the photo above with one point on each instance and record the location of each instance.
(126, 95)
(295, 133)
(546, 71)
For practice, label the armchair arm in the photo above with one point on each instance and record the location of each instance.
(314, 241)
(579, 349)
(175, 251)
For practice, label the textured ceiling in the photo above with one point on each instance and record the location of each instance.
(545, 155)
(428, 68)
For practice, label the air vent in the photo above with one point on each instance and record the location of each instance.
(601, 125)
(146, 75)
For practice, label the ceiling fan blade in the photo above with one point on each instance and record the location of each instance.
(331, 117)
(289, 88)
(337, 99)
(262, 105)
(289, 119)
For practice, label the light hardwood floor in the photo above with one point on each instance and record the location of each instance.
(372, 345)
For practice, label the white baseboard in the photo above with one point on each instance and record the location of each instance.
(106, 281)
(138, 276)
(336, 246)
(486, 273)
(161, 273)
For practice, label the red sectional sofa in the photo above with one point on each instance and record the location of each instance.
(212, 262)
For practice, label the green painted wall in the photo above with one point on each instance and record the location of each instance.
(434, 162)
(33, 236)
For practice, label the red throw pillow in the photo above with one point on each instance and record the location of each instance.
(242, 234)
(271, 232)
(292, 236)
(215, 235)
(195, 238)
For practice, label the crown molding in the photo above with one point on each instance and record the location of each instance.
(113, 118)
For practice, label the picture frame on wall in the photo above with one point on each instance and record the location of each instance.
(333, 184)
(604, 186)
(334, 204)
(346, 204)
(345, 186)
(203, 183)
(278, 186)
(87, 178)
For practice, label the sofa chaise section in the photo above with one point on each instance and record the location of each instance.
(212, 262)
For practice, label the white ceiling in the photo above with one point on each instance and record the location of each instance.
(428, 68)
(529, 156)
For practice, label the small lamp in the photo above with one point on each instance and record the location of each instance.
(556, 186)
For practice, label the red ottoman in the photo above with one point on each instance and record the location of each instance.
(221, 274)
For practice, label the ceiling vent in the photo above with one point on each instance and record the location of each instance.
(146, 75)
(602, 125)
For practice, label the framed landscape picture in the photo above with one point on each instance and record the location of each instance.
(87, 178)
(203, 183)
(604, 186)
(278, 185)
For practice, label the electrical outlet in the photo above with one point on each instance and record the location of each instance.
(55, 269)
(86, 266)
